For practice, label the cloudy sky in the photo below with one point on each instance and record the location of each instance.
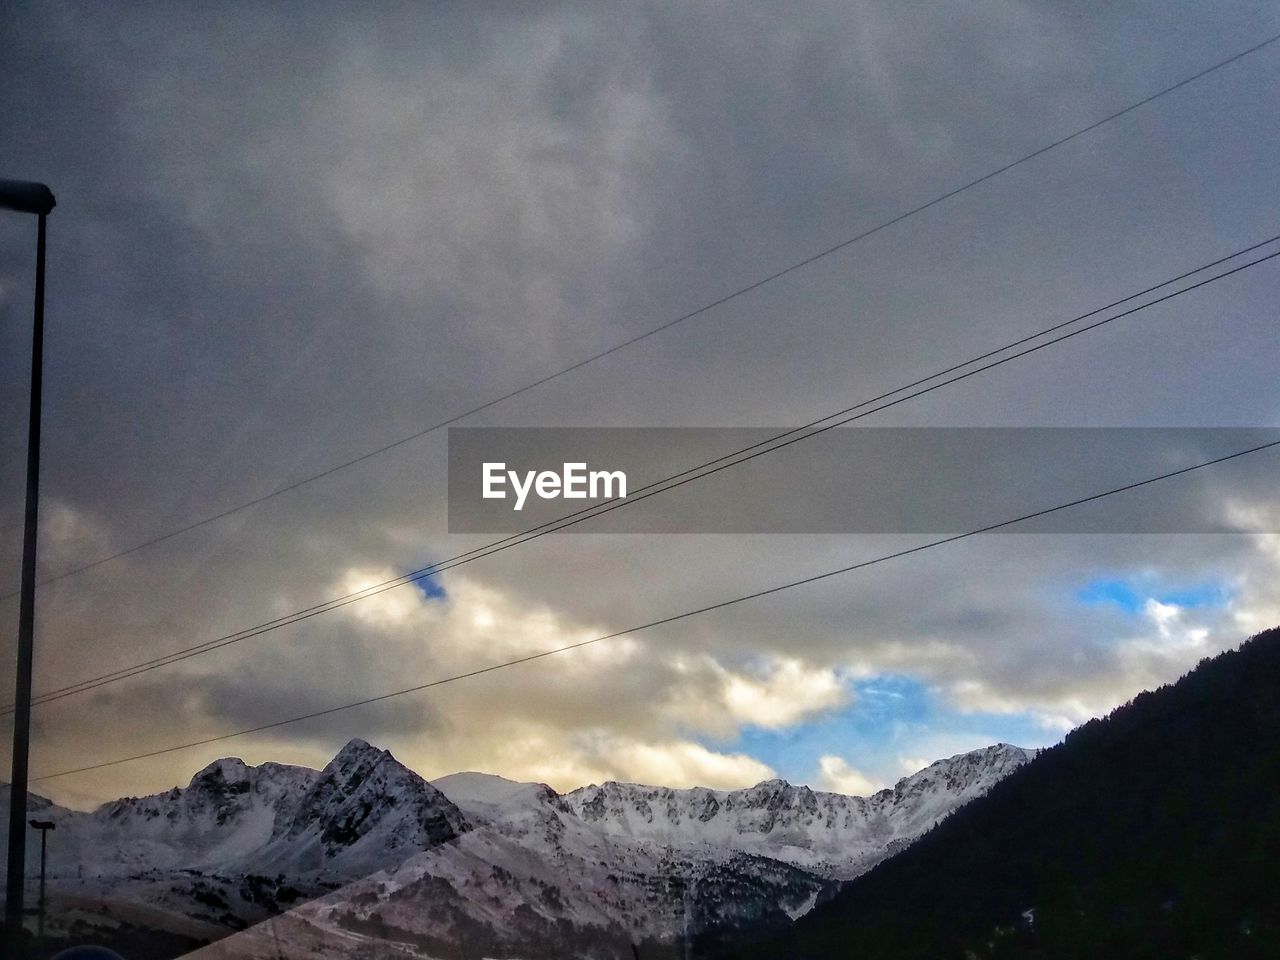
(287, 235)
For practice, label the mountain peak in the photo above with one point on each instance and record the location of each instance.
(484, 795)
(773, 783)
(359, 759)
(228, 769)
(364, 810)
(355, 747)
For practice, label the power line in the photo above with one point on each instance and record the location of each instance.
(705, 308)
(780, 441)
(666, 620)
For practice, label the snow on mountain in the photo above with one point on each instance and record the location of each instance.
(829, 833)
(484, 797)
(598, 870)
(240, 843)
(477, 859)
(37, 806)
(533, 876)
(227, 812)
(364, 811)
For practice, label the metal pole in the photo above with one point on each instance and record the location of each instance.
(15, 875)
(44, 842)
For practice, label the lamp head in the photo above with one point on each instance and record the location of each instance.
(25, 196)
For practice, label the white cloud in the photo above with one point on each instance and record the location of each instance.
(682, 763)
(388, 608)
(566, 758)
(910, 765)
(779, 692)
(839, 777)
(787, 692)
(1259, 606)
(609, 710)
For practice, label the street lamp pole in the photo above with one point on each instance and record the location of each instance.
(44, 826)
(25, 197)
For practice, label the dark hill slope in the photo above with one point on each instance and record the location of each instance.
(1153, 833)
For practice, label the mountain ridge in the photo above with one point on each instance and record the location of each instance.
(608, 869)
(370, 848)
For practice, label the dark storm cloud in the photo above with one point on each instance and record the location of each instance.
(290, 234)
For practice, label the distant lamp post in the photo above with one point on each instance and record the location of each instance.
(44, 826)
(25, 197)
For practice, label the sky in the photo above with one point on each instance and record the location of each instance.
(287, 235)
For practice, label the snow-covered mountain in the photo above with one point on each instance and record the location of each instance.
(829, 833)
(239, 843)
(228, 812)
(363, 811)
(366, 852)
(533, 876)
(607, 869)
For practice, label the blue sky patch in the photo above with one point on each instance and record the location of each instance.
(1201, 595)
(1114, 592)
(1132, 598)
(431, 588)
(890, 717)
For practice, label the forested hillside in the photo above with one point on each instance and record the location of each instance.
(1154, 832)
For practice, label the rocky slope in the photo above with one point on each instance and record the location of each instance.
(365, 857)
(616, 869)
(238, 844)
(828, 833)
